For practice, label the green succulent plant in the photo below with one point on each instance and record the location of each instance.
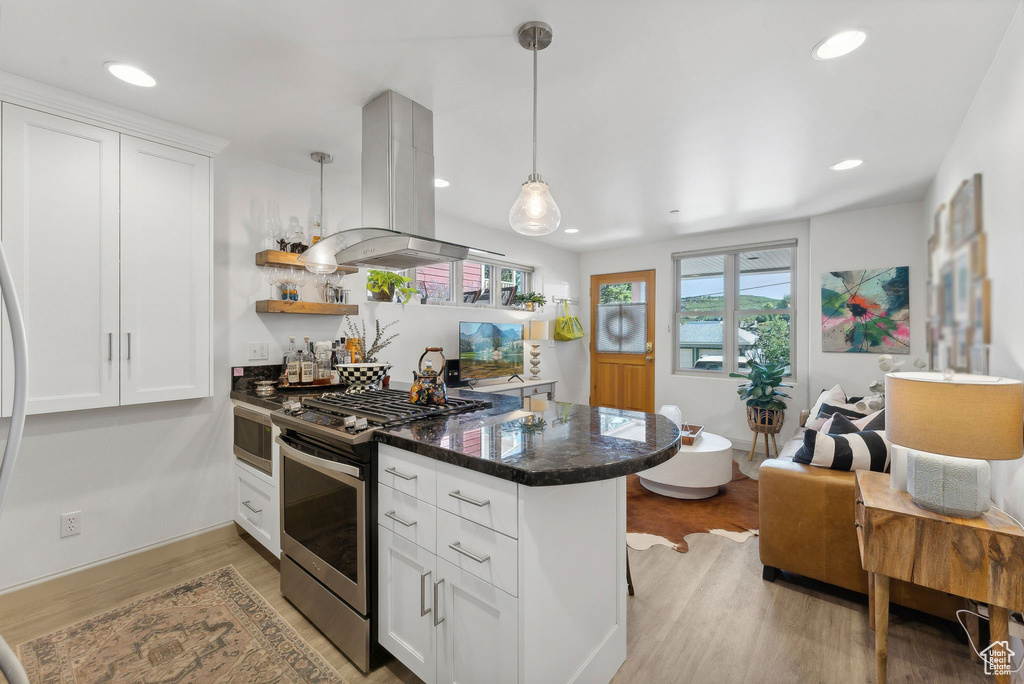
(388, 283)
(761, 390)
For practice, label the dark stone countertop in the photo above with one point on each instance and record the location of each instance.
(552, 443)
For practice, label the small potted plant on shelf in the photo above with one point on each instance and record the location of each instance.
(766, 409)
(383, 285)
(530, 300)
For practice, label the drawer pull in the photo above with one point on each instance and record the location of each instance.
(424, 608)
(400, 521)
(249, 506)
(463, 497)
(457, 547)
(436, 611)
(398, 473)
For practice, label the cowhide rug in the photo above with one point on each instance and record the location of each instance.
(654, 519)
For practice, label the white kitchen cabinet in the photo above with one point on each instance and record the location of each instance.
(165, 272)
(59, 225)
(478, 630)
(405, 587)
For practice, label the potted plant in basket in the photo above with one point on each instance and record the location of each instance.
(384, 284)
(766, 409)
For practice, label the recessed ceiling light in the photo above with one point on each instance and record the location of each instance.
(572, 230)
(441, 183)
(839, 44)
(846, 164)
(131, 74)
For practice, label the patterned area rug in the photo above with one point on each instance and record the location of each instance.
(215, 628)
(655, 519)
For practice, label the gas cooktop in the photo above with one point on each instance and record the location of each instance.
(353, 417)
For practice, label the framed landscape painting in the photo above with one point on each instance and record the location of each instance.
(866, 311)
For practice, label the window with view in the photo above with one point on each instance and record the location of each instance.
(733, 307)
(470, 282)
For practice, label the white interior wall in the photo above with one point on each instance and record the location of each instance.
(991, 142)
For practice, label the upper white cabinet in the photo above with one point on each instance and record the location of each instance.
(59, 225)
(165, 272)
(109, 239)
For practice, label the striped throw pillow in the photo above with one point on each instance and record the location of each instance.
(826, 411)
(839, 424)
(868, 450)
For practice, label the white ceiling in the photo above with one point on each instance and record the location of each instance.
(712, 107)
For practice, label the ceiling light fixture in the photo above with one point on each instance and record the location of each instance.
(572, 230)
(846, 164)
(131, 74)
(839, 44)
(535, 212)
(441, 183)
(316, 225)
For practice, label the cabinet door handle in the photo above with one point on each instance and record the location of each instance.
(462, 497)
(457, 547)
(249, 506)
(110, 346)
(400, 521)
(436, 611)
(398, 473)
(424, 608)
(129, 346)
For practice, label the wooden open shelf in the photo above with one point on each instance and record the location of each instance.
(320, 308)
(273, 257)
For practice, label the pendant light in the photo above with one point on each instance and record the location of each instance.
(326, 267)
(535, 212)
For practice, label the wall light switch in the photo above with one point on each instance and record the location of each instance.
(259, 351)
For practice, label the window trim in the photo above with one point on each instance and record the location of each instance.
(731, 314)
(457, 289)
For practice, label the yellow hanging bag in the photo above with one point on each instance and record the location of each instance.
(568, 327)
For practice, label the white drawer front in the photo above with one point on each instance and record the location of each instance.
(481, 498)
(482, 552)
(255, 508)
(407, 472)
(407, 517)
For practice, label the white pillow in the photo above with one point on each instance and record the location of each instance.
(835, 396)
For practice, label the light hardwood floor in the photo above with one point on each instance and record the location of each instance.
(701, 616)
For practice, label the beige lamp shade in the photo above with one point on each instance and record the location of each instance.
(537, 330)
(970, 416)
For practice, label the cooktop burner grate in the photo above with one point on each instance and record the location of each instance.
(388, 407)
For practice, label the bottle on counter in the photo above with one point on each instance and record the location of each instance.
(322, 364)
(293, 363)
(306, 364)
(336, 359)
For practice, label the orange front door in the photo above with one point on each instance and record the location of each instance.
(622, 340)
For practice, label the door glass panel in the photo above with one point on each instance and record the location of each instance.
(700, 343)
(622, 318)
(702, 283)
(765, 338)
(765, 279)
(322, 514)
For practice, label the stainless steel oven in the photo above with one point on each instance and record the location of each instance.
(252, 442)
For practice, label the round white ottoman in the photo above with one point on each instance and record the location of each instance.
(695, 472)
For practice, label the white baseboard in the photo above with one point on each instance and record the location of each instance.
(109, 559)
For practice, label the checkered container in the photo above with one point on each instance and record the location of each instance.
(362, 377)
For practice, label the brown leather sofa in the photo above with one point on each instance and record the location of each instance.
(807, 528)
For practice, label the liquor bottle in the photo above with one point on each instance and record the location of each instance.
(322, 364)
(306, 367)
(293, 363)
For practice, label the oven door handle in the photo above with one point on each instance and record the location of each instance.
(314, 462)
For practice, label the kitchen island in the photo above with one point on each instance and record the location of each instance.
(501, 538)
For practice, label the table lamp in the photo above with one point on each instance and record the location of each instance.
(951, 425)
(536, 331)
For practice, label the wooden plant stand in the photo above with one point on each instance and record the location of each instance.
(767, 422)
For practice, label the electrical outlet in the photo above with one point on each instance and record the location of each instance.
(259, 351)
(70, 524)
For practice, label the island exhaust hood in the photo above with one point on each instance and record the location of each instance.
(398, 195)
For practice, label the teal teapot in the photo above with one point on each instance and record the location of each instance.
(428, 386)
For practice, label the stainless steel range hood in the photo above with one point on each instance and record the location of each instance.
(398, 194)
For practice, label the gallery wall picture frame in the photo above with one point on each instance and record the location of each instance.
(947, 288)
(979, 256)
(981, 311)
(961, 348)
(962, 271)
(965, 211)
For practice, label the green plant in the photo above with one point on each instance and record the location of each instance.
(369, 352)
(388, 283)
(530, 298)
(761, 389)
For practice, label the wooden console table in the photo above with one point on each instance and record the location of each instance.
(977, 558)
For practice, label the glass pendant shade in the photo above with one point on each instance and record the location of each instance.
(535, 212)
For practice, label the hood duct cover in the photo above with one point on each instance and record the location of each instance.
(397, 194)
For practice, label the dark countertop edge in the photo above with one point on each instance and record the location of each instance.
(541, 478)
